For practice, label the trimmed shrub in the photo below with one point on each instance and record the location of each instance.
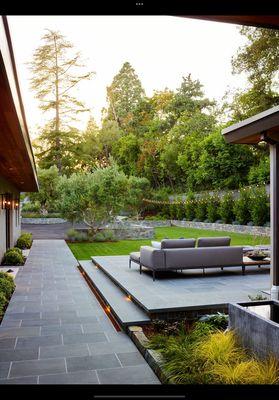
(180, 211)
(259, 206)
(7, 287)
(226, 208)
(3, 302)
(99, 237)
(190, 207)
(31, 207)
(13, 257)
(201, 208)
(212, 208)
(241, 207)
(24, 241)
(17, 249)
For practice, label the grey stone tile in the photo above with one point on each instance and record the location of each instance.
(72, 350)
(8, 343)
(29, 380)
(92, 362)
(84, 338)
(38, 341)
(73, 378)
(6, 323)
(92, 327)
(64, 329)
(117, 337)
(112, 347)
(78, 320)
(141, 374)
(23, 315)
(4, 369)
(59, 314)
(40, 322)
(19, 332)
(131, 358)
(19, 355)
(37, 367)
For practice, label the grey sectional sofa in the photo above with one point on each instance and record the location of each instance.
(210, 253)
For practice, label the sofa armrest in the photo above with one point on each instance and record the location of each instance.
(152, 258)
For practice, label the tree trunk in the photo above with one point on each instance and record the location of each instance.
(57, 114)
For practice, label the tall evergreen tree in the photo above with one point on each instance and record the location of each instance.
(57, 70)
(123, 95)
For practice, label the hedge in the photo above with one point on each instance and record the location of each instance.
(251, 207)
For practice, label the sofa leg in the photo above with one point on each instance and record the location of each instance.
(203, 272)
(140, 269)
(222, 268)
(153, 275)
(130, 263)
(243, 269)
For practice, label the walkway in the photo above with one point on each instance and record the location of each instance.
(54, 330)
(49, 231)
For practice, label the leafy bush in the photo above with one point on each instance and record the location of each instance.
(259, 206)
(99, 237)
(180, 211)
(13, 257)
(241, 207)
(75, 236)
(218, 321)
(212, 208)
(24, 241)
(37, 215)
(15, 249)
(226, 208)
(260, 174)
(31, 207)
(7, 287)
(3, 302)
(109, 235)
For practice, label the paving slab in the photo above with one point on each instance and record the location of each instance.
(54, 330)
(189, 289)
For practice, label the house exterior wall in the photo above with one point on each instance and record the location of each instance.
(15, 228)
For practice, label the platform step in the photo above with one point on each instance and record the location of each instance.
(125, 310)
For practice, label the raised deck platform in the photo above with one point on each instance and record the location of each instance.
(183, 291)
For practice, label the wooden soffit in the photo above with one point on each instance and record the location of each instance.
(16, 157)
(261, 127)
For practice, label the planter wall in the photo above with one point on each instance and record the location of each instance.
(256, 333)
(40, 221)
(253, 230)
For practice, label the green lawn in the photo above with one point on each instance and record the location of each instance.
(83, 251)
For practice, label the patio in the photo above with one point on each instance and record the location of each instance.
(55, 332)
(182, 291)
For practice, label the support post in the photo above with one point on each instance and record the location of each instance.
(274, 219)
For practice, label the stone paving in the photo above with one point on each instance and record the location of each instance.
(187, 289)
(55, 332)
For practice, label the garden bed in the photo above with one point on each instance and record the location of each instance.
(201, 352)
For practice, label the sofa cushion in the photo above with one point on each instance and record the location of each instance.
(135, 256)
(213, 241)
(152, 258)
(203, 257)
(177, 243)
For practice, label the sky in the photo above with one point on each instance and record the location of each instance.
(161, 49)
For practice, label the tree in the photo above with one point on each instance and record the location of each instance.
(126, 152)
(123, 95)
(56, 73)
(138, 189)
(259, 59)
(48, 194)
(94, 197)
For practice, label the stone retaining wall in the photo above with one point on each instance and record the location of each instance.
(40, 221)
(252, 230)
(132, 232)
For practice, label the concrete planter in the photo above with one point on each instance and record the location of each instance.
(259, 334)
